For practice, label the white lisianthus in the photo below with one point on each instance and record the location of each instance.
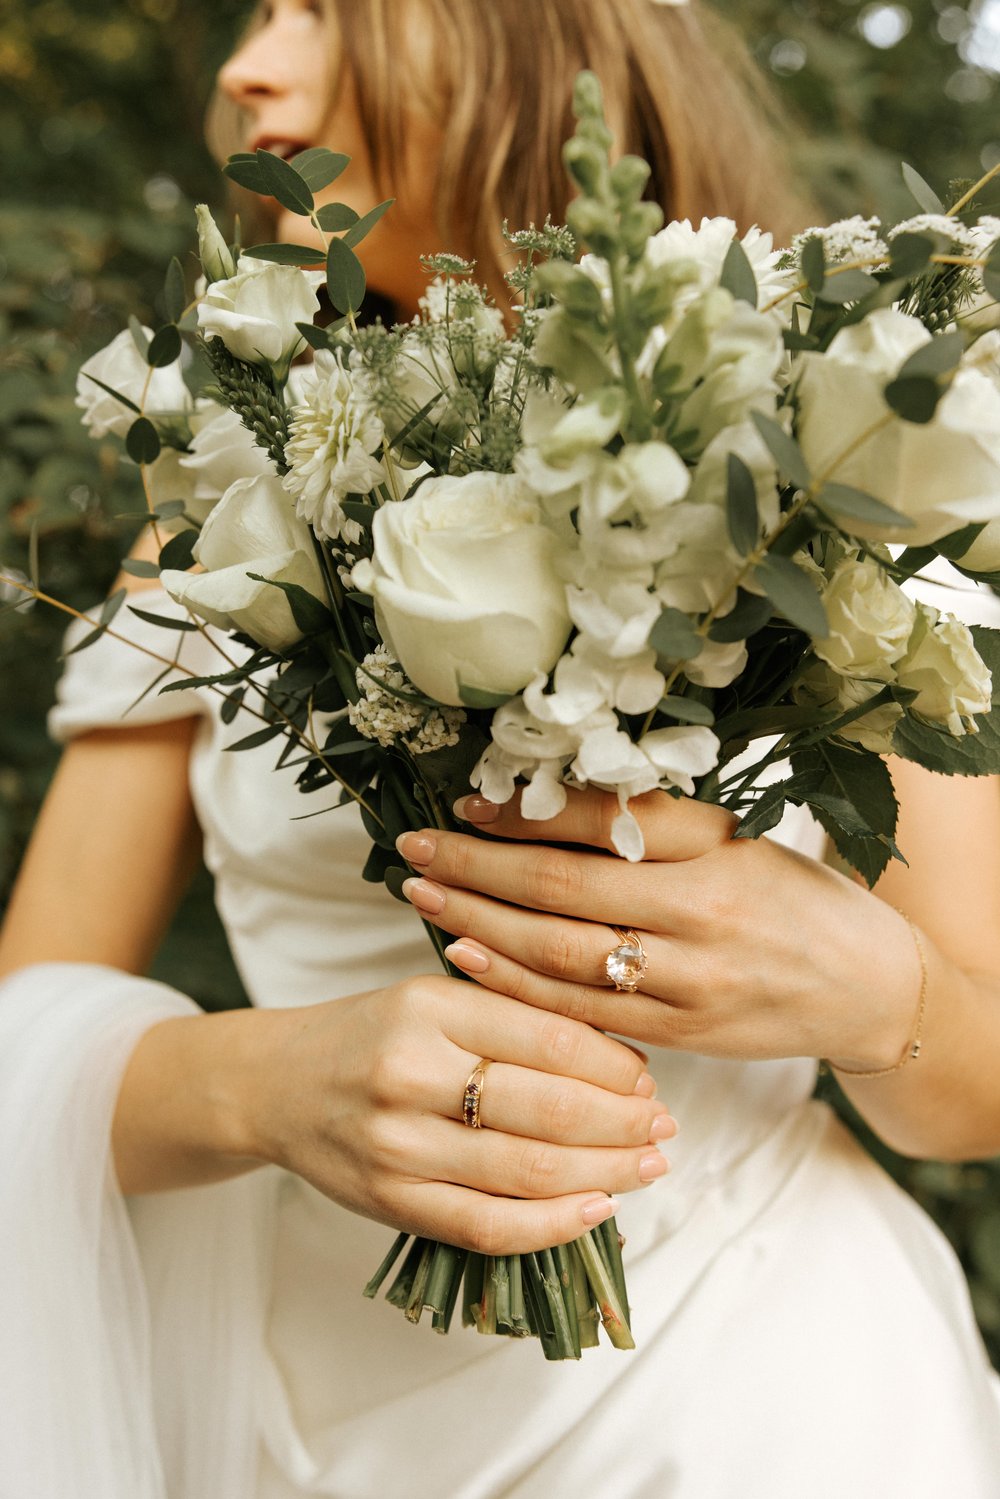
(221, 451)
(255, 311)
(870, 619)
(215, 255)
(121, 366)
(465, 588)
(333, 436)
(943, 475)
(252, 529)
(943, 667)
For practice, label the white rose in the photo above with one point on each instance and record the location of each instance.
(944, 474)
(984, 554)
(870, 619)
(465, 587)
(122, 367)
(943, 667)
(255, 311)
(253, 529)
(825, 688)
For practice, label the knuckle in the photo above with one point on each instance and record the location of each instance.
(489, 1229)
(454, 858)
(560, 954)
(389, 1143)
(537, 1170)
(553, 880)
(562, 1040)
(561, 1115)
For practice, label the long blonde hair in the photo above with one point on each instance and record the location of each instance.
(679, 90)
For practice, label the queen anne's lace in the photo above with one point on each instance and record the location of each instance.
(381, 714)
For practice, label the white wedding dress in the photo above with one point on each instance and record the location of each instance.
(803, 1330)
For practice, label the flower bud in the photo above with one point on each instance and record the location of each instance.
(216, 257)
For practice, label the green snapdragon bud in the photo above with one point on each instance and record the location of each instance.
(216, 257)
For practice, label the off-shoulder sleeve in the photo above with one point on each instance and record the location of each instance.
(113, 683)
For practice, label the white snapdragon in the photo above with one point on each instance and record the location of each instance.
(384, 714)
(121, 366)
(945, 670)
(255, 311)
(332, 440)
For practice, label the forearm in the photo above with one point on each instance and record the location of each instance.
(184, 1115)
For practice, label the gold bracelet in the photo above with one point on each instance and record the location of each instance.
(913, 1047)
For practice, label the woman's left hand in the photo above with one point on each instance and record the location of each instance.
(753, 950)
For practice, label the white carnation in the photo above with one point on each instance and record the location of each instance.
(332, 439)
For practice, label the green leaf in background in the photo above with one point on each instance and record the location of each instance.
(318, 167)
(178, 551)
(686, 710)
(813, 263)
(174, 291)
(924, 195)
(675, 637)
(957, 543)
(793, 594)
(839, 500)
(741, 504)
(366, 223)
(749, 614)
(244, 169)
(109, 609)
(283, 183)
(738, 275)
(345, 277)
(117, 394)
(910, 254)
(914, 397)
(288, 254)
(164, 621)
(164, 347)
(137, 568)
(847, 286)
(142, 442)
(336, 217)
(784, 450)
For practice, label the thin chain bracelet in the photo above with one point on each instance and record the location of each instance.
(913, 1048)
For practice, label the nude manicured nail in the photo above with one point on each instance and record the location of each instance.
(416, 848)
(469, 959)
(425, 896)
(476, 809)
(600, 1210)
(663, 1128)
(653, 1165)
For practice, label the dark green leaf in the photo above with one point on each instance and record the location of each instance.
(793, 594)
(139, 336)
(309, 614)
(178, 550)
(798, 342)
(345, 277)
(142, 442)
(765, 814)
(244, 169)
(813, 263)
(169, 509)
(991, 275)
(737, 274)
(911, 254)
(850, 788)
(477, 697)
(924, 194)
(316, 338)
(283, 183)
(366, 223)
(109, 392)
(164, 348)
(318, 166)
(687, 710)
(938, 356)
(914, 398)
(379, 863)
(138, 569)
(843, 500)
(784, 450)
(360, 511)
(165, 621)
(847, 286)
(957, 543)
(111, 606)
(174, 291)
(972, 754)
(232, 705)
(254, 741)
(749, 614)
(394, 878)
(288, 254)
(741, 504)
(675, 637)
(336, 217)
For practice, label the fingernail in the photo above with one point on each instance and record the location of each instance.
(424, 895)
(469, 959)
(476, 809)
(600, 1210)
(663, 1128)
(416, 848)
(653, 1165)
(646, 1086)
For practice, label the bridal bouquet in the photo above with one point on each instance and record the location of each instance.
(646, 528)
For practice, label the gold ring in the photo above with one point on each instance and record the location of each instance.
(626, 963)
(472, 1098)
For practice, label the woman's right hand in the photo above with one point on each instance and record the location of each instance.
(363, 1098)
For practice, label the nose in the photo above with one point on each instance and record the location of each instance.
(253, 73)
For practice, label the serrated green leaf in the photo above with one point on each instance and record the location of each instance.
(915, 398)
(793, 594)
(174, 291)
(839, 500)
(687, 710)
(921, 191)
(813, 263)
(850, 788)
(318, 166)
(366, 223)
(142, 442)
(476, 697)
(741, 505)
(784, 450)
(336, 217)
(847, 286)
(675, 637)
(177, 552)
(910, 254)
(164, 347)
(288, 254)
(765, 814)
(283, 183)
(738, 274)
(345, 277)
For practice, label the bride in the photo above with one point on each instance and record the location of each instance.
(190, 1204)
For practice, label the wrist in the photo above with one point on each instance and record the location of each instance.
(896, 1008)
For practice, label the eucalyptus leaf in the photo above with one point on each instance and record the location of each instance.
(164, 347)
(177, 552)
(921, 191)
(142, 441)
(108, 391)
(139, 336)
(784, 450)
(165, 621)
(318, 166)
(137, 568)
(847, 286)
(345, 277)
(174, 291)
(283, 183)
(169, 509)
(813, 263)
(288, 254)
(336, 217)
(244, 170)
(366, 223)
(741, 505)
(316, 338)
(738, 274)
(686, 710)
(793, 594)
(910, 254)
(914, 397)
(938, 356)
(839, 500)
(309, 613)
(255, 740)
(749, 614)
(675, 637)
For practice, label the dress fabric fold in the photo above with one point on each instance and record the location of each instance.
(803, 1330)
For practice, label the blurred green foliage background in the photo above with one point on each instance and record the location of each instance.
(101, 159)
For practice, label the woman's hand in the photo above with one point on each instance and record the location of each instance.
(754, 951)
(363, 1098)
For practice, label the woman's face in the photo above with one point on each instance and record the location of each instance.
(283, 78)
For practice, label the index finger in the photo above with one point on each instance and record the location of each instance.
(673, 828)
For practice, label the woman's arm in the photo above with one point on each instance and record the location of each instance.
(754, 951)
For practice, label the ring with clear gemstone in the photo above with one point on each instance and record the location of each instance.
(626, 964)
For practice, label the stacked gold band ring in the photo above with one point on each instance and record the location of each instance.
(472, 1098)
